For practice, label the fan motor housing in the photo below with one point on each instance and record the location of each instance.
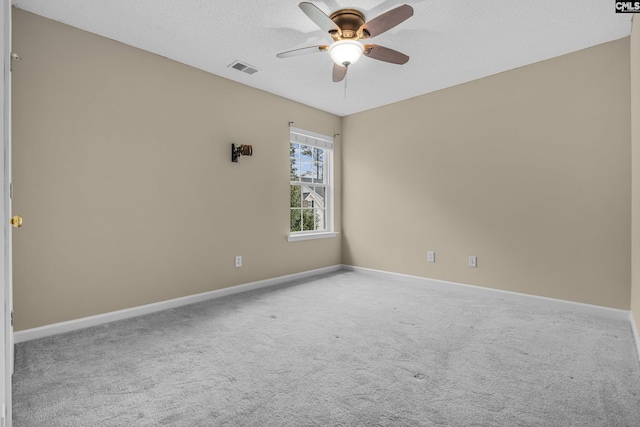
(349, 21)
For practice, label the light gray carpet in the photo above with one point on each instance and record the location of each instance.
(346, 349)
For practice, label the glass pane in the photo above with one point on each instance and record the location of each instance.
(318, 196)
(306, 171)
(294, 150)
(321, 219)
(318, 154)
(295, 221)
(306, 152)
(294, 169)
(318, 172)
(308, 219)
(295, 196)
(309, 197)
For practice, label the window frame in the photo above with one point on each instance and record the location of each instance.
(316, 140)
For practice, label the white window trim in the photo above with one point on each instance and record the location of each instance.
(311, 235)
(326, 142)
(306, 137)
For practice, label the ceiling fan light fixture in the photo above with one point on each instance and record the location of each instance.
(346, 52)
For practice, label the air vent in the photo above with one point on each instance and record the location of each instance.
(245, 68)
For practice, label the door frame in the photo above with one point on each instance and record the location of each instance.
(6, 297)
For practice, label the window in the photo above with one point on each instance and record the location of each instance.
(310, 172)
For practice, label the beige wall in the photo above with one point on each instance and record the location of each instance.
(635, 142)
(528, 170)
(122, 173)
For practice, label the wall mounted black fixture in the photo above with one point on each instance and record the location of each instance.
(238, 150)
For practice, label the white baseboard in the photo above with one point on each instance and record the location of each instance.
(636, 334)
(606, 312)
(85, 322)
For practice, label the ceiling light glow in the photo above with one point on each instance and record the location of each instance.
(346, 52)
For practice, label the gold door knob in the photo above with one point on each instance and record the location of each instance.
(16, 221)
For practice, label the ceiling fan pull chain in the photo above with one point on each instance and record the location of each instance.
(345, 87)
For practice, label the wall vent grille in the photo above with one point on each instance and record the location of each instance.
(245, 68)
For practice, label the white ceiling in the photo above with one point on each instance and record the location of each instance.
(449, 42)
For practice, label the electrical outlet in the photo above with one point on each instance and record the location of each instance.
(431, 256)
(473, 261)
(239, 261)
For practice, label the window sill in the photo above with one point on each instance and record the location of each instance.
(311, 236)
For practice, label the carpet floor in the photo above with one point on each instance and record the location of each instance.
(345, 349)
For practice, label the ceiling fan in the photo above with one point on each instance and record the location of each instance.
(346, 27)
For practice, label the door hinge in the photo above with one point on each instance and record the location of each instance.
(12, 316)
(11, 190)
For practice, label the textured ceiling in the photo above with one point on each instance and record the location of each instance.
(449, 42)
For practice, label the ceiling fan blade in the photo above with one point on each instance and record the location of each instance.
(303, 51)
(339, 72)
(319, 17)
(386, 21)
(385, 54)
